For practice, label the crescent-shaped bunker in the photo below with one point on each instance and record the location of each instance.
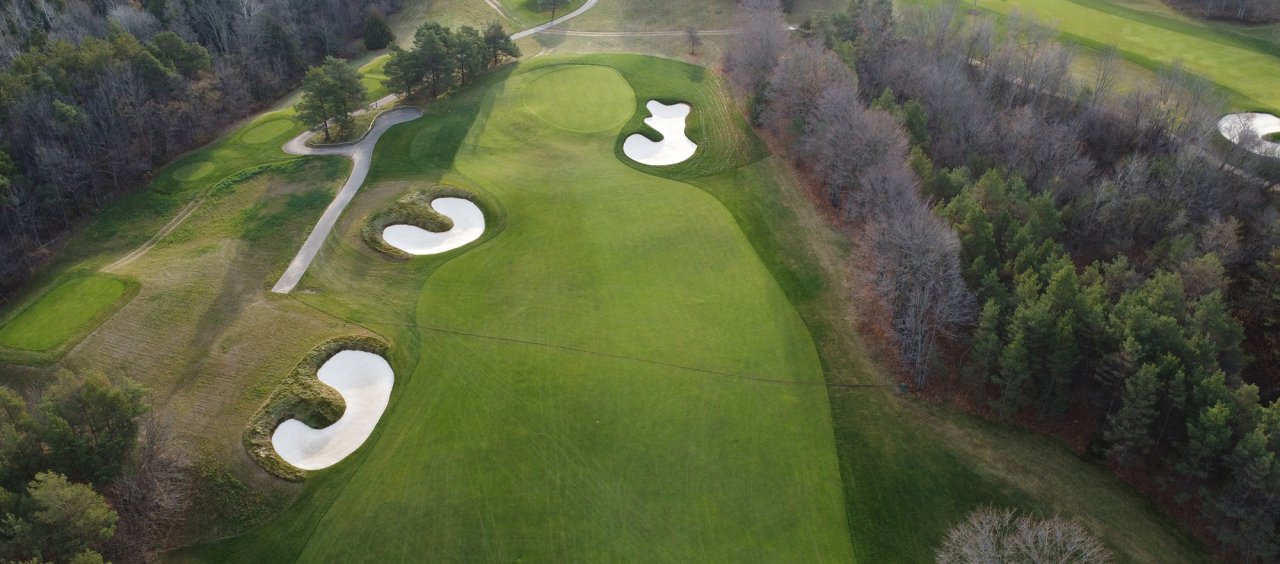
(468, 225)
(364, 381)
(1250, 130)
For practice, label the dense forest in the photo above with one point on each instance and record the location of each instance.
(1085, 260)
(85, 474)
(95, 94)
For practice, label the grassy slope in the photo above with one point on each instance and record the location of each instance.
(206, 337)
(562, 386)
(202, 334)
(525, 13)
(372, 76)
(658, 15)
(132, 219)
(1246, 66)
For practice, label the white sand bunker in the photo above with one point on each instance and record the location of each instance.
(364, 381)
(1248, 131)
(468, 225)
(675, 145)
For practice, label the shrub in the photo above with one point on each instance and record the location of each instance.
(999, 535)
(377, 34)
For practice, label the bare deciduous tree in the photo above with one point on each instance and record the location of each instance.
(154, 495)
(919, 279)
(995, 536)
(754, 50)
(806, 70)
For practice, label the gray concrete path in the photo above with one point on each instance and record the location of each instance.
(541, 28)
(361, 155)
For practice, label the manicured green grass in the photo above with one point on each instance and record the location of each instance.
(63, 312)
(583, 99)
(1246, 67)
(372, 76)
(193, 171)
(612, 374)
(266, 131)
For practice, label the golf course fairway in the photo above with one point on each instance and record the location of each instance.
(610, 373)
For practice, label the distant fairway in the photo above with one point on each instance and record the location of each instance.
(1247, 67)
(614, 375)
(372, 76)
(61, 313)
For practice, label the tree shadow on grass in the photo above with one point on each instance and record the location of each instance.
(425, 148)
(549, 41)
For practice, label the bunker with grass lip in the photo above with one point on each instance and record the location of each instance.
(675, 146)
(1234, 127)
(468, 225)
(364, 381)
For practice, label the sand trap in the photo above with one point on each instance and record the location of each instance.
(675, 145)
(1248, 129)
(468, 225)
(364, 381)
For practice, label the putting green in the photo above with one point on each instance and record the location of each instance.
(193, 171)
(580, 98)
(266, 131)
(611, 375)
(61, 313)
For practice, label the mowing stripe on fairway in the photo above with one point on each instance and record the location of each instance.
(554, 417)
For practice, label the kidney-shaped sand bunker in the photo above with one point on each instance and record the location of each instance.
(468, 225)
(364, 381)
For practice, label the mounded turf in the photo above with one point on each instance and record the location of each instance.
(266, 131)
(1247, 67)
(613, 374)
(372, 76)
(579, 98)
(63, 312)
(193, 171)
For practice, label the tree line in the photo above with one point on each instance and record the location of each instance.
(76, 483)
(94, 95)
(1082, 256)
(441, 58)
